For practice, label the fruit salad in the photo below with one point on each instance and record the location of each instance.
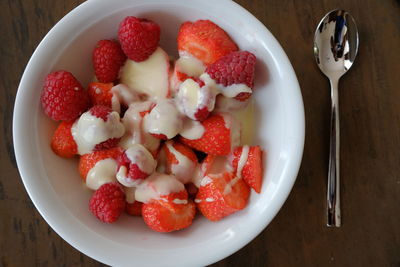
(158, 137)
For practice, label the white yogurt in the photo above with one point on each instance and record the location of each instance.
(122, 94)
(228, 91)
(157, 185)
(192, 129)
(164, 119)
(88, 130)
(130, 194)
(103, 172)
(150, 76)
(134, 128)
(242, 161)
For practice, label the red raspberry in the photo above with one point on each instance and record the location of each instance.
(107, 58)
(108, 202)
(63, 97)
(100, 111)
(135, 172)
(234, 68)
(139, 37)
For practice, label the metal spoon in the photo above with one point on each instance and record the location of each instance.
(335, 48)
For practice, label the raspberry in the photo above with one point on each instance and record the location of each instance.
(234, 68)
(107, 58)
(134, 171)
(108, 144)
(100, 111)
(108, 202)
(139, 37)
(63, 97)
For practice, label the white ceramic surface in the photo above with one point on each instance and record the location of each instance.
(54, 185)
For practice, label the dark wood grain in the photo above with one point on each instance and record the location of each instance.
(370, 136)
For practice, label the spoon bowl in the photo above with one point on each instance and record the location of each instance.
(336, 43)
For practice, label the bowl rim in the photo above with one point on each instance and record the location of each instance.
(47, 211)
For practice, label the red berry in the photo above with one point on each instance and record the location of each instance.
(108, 58)
(216, 139)
(62, 143)
(222, 196)
(234, 68)
(205, 40)
(108, 202)
(100, 93)
(87, 161)
(139, 37)
(252, 169)
(162, 219)
(100, 111)
(63, 97)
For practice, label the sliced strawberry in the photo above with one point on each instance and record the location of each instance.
(206, 165)
(205, 40)
(252, 170)
(62, 143)
(173, 201)
(180, 160)
(161, 219)
(87, 161)
(134, 209)
(216, 138)
(222, 195)
(100, 93)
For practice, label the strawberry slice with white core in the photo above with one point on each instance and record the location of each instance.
(150, 76)
(90, 130)
(134, 165)
(157, 185)
(164, 120)
(133, 121)
(195, 99)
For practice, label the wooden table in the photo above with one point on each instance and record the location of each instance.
(370, 127)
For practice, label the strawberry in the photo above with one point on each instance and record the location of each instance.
(204, 40)
(222, 195)
(180, 160)
(62, 143)
(162, 219)
(107, 58)
(252, 169)
(108, 202)
(234, 68)
(173, 201)
(87, 161)
(134, 208)
(100, 93)
(139, 37)
(216, 138)
(63, 97)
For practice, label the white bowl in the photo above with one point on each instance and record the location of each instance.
(54, 185)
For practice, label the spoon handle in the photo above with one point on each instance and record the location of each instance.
(333, 190)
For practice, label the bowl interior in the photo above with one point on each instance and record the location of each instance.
(54, 183)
